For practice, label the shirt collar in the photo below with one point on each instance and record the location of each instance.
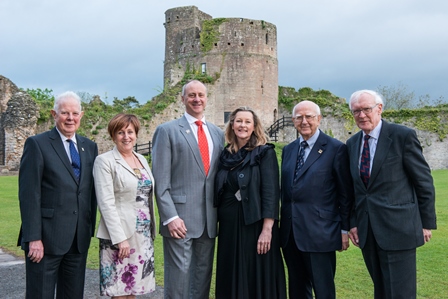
(192, 119)
(73, 138)
(312, 140)
(375, 133)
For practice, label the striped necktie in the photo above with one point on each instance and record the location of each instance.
(300, 159)
(364, 166)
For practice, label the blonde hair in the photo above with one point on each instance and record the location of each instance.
(257, 138)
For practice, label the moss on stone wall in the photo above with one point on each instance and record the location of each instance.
(431, 119)
(97, 113)
(210, 33)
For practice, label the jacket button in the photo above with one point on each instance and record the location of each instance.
(75, 212)
(241, 175)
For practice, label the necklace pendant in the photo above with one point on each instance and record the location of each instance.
(138, 173)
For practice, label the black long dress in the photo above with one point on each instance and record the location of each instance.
(241, 272)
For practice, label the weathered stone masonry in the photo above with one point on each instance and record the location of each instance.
(243, 52)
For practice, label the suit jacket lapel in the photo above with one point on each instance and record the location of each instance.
(382, 148)
(216, 145)
(119, 159)
(355, 149)
(82, 155)
(315, 153)
(56, 143)
(290, 155)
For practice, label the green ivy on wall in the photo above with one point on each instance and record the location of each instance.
(210, 33)
(97, 113)
(431, 119)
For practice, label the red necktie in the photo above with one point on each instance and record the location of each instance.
(203, 146)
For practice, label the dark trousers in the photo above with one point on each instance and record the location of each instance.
(393, 273)
(66, 272)
(310, 270)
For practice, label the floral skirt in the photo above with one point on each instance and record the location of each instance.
(129, 276)
(133, 275)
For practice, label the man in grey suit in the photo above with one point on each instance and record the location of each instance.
(184, 194)
(394, 197)
(57, 204)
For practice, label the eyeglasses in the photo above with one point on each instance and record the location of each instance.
(365, 110)
(299, 118)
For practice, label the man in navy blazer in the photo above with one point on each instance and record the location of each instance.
(57, 204)
(317, 196)
(394, 199)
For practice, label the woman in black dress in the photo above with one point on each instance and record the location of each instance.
(249, 263)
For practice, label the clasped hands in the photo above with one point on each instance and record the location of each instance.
(177, 229)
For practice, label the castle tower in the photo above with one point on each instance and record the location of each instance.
(241, 53)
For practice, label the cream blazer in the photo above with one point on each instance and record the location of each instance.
(116, 190)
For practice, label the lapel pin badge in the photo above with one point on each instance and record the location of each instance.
(82, 148)
(188, 131)
(320, 151)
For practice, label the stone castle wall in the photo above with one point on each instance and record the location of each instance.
(20, 121)
(342, 130)
(243, 56)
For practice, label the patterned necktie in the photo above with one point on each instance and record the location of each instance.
(364, 166)
(203, 146)
(76, 160)
(300, 159)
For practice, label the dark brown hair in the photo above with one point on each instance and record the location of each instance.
(122, 120)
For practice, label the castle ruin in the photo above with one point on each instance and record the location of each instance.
(241, 53)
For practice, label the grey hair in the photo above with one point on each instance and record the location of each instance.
(357, 94)
(314, 104)
(65, 96)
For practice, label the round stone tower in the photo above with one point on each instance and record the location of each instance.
(241, 53)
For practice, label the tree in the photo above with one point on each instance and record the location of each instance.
(44, 98)
(426, 101)
(85, 96)
(126, 103)
(397, 97)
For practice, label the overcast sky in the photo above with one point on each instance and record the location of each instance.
(116, 48)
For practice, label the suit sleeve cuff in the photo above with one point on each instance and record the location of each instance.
(169, 220)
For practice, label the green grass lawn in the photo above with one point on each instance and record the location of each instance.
(352, 279)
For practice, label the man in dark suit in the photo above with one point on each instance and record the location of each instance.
(184, 193)
(394, 197)
(317, 196)
(57, 204)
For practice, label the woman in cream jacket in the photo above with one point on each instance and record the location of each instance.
(124, 187)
